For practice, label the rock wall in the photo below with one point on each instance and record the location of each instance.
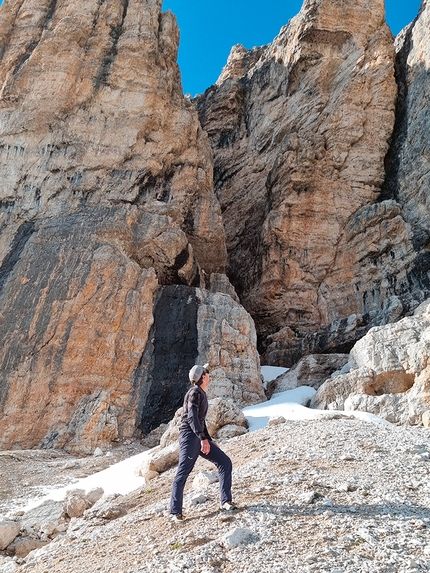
(214, 329)
(92, 112)
(299, 131)
(408, 174)
(106, 197)
(113, 244)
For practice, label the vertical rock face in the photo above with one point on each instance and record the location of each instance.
(91, 112)
(299, 131)
(215, 330)
(408, 178)
(106, 195)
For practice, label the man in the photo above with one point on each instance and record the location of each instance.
(194, 441)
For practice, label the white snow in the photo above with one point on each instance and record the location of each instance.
(271, 373)
(290, 405)
(119, 478)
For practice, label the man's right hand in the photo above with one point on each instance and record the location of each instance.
(205, 446)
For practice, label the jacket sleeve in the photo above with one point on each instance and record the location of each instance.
(206, 431)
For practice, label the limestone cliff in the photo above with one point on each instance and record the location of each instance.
(118, 220)
(388, 367)
(106, 198)
(299, 131)
(92, 114)
(408, 172)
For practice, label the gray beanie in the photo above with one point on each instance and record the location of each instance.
(196, 372)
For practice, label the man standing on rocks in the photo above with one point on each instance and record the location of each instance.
(194, 441)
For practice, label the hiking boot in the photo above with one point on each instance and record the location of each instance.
(229, 506)
(177, 517)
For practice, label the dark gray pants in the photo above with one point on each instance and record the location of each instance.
(189, 452)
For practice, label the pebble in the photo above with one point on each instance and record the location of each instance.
(326, 496)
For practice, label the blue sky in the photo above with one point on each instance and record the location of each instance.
(209, 28)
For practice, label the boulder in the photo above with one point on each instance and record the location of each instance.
(93, 495)
(49, 511)
(389, 373)
(159, 461)
(24, 545)
(230, 431)
(276, 421)
(77, 501)
(8, 531)
(150, 475)
(74, 505)
(238, 537)
(332, 394)
(109, 508)
(310, 371)
(224, 412)
(204, 479)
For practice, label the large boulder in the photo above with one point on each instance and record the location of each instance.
(389, 374)
(299, 131)
(312, 370)
(8, 531)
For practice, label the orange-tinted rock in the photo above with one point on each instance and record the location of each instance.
(299, 131)
(106, 194)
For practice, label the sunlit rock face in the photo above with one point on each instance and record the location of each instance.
(106, 196)
(299, 131)
(92, 112)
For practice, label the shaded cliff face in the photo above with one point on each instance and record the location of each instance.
(408, 179)
(106, 198)
(299, 131)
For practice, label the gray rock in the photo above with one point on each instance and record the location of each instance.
(22, 546)
(239, 536)
(310, 371)
(48, 512)
(389, 372)
(10, 567)
(160, 460)
(8, 531)
(94, 495)
(205, 479)
(74, 505)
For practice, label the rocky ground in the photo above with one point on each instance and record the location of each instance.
(337, 495)
(24, 474)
